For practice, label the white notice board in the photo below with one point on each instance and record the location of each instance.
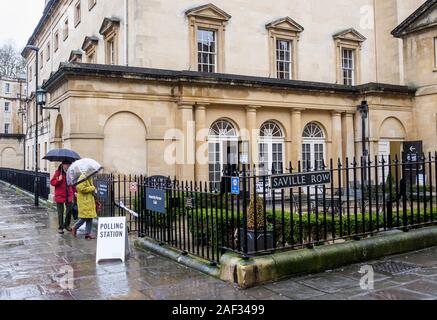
(112, 241)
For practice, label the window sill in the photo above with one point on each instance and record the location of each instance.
(435, 70)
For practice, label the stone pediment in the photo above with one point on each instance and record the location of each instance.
(75, 55)
(108, 25)
(423, 18)
(208, 11)
(285, 24)
(427, 20)
(89, 42)
(350, 35)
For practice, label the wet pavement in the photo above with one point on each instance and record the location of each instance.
(35, 263)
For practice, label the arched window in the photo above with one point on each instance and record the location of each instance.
(313, 147)
(271, 149)
(223, 150)
(222, 128)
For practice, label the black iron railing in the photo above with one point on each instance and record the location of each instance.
(361, 198)
(26, 180)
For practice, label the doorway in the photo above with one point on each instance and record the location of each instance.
(388, 150)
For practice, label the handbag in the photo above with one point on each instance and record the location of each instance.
(75, 211)
(99, 205)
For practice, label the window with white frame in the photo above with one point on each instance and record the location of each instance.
(56, 41)
(222, 149)
(313, 148)
(7, 107)
(110, 54)
(7, 128)
(348, 65)
(66, 29)
(41, 60)
(435, 52)
(7, 88)
(271, 149)
(206, 50)
(48, 53)
(77, 13)
(283, 59)
(91, 4)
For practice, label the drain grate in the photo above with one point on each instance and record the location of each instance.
(394, 267)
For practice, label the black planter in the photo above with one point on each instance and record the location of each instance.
(262, 238)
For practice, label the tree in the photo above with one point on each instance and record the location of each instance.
(12, 64)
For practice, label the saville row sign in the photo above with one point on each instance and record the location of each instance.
(301, 180)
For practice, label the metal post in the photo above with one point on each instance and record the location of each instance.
(364, 111)
(36, 132)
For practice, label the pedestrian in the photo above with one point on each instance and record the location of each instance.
(86, 205)
(64, 196)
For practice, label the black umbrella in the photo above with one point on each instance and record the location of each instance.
(60, 155)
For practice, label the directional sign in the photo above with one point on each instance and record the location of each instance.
(235, 185)
(413, 154)
(102, 190)
(155, 200)
(301, 180)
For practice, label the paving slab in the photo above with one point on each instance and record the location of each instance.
(33, 258)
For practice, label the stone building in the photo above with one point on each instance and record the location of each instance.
(185, 88)
(12, 94)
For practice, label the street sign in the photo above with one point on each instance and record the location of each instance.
(112, 239)
(235, 185)
(155, 200)
(301, 180)
(102, 190)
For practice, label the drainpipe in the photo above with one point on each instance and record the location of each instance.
(126, 27)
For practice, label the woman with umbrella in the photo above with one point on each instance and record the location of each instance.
(80, 174)
(64, 194)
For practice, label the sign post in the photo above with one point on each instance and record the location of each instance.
(112, 241)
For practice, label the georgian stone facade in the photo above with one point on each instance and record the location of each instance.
(278, 83)
(11, 140)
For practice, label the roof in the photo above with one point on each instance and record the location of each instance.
(148, 74)
(48, 10)
(402, 29)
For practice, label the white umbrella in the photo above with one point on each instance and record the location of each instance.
(82, 170)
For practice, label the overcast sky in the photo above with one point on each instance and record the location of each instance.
(18, 19)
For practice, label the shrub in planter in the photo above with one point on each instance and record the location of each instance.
(258, 237)
(209, 225)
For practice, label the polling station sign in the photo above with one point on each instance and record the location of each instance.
(155, 200)
(307, 179)
(112, 241)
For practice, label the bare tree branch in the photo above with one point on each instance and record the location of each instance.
(12, 64)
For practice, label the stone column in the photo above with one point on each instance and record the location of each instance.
(201, 168)
(295, 150)
(250, 135)
(186, 154)
(348, 136)
(337, 145)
